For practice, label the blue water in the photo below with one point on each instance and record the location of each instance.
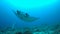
(49, 13)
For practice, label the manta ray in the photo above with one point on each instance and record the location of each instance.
(25, 16)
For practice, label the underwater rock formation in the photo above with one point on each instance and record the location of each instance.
(27, 32)
(25, 16)
(39, 33)
(57, 29)
(32, 30)
(18, 33)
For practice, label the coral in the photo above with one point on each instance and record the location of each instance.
(57, 32)
(27, 32)
(1, 31)
(18, 33)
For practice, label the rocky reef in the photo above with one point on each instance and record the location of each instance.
(53, 29)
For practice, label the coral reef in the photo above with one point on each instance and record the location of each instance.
(35, 30)
(18, 33)
(27, 32)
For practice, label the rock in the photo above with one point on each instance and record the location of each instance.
(18, 33)
(39, 33)
(27, 32)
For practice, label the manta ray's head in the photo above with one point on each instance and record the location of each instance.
(18, 12)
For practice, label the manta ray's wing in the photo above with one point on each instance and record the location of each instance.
(27, 19)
